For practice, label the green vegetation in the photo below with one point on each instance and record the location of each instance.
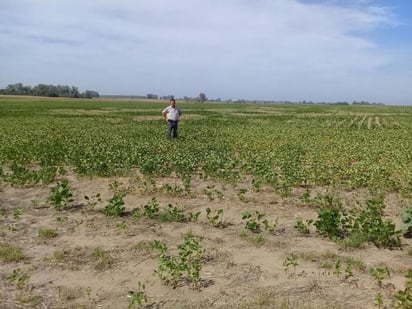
(115, 208)
(46, 233)
(254, 221)
(137, 299)
(60, 195)
(171, 269)
(283, 146)
(403, 298)
(10, 253)
(309, 156)
(359, 226)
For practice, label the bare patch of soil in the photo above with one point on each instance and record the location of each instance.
(94, 261)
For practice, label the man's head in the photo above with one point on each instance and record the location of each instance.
(172, 102)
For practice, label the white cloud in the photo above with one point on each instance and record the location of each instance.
(235, 48)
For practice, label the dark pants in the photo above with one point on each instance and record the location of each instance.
(171, 129)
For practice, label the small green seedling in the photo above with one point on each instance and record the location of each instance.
(137, 299)
(60, 195)
(254, 222)
(215, 217)
(380, 273)
(291, 260)
(115, 207)
(303, 227)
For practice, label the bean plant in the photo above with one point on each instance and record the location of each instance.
(60, 195)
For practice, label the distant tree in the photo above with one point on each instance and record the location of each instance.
(202, 97)
(48, 91)
(152, 96)
(89, 94)
(168, 97)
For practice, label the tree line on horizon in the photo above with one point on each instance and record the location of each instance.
(48, 91)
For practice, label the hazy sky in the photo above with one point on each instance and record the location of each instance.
(292, 50)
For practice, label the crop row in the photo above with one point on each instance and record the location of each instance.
(283, 150)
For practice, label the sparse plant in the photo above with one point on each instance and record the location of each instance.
(193, 217)
(137, 299)
(19, 277)
(291, 260)
(60, 195)
(242, 194)
(10, 253)
(213, 193)
(169, 269)
(158, 246)
(173, 214)
(191, 254)
(93, 200)
(47, 233)
(406, 216)
(172, 268)
(17, 213)
(379, 273)
(403, 298)
(379, 300)
(338, 268)
(3, 212)
(151, 209)
(115, 207)
(215, 217)
(253, 222)
(303, 227)
(122, 226)
(102, 258)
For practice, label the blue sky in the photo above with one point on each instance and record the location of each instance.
(313, 50)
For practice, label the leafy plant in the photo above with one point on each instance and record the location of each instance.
(115, 207)
(17, 213)
(137, 299)
(379, 273)
(242, 194)
(379, 300)
(173, 214)
(172, 268)
(403, 298)
(406, 216)
(191, 254)
(303, 227)
(60, 195)
(365, 225)
(215, 217)
(329, 223)
(152, 209)
(253, 222)
(291, 260)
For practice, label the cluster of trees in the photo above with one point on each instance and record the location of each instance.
(200, 98)
(48, 91)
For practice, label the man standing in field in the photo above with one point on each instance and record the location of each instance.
(171, 115)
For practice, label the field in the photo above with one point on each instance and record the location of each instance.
(253, 206)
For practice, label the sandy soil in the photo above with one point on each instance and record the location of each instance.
(93, 261)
